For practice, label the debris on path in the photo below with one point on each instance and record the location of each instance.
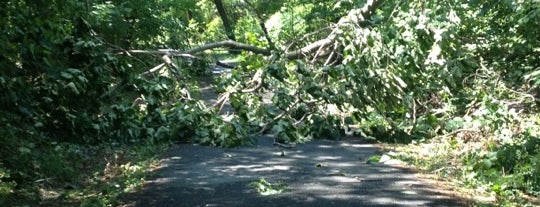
(317, 173)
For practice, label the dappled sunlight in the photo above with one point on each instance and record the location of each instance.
(273, 168)
(313, 172)
(297, 156)
(327, 158)
(390, 200)
(344, 164)
(242, 167)
(361, 145)
(324, 146)
(339, 179)
(409, 192)
(408, 182)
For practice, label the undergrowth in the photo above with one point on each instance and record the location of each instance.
(491, 153)
(81, 175)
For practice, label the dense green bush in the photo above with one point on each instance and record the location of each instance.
(64, 79)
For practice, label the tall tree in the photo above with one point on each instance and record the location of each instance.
(227, 24)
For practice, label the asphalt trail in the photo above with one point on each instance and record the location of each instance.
(317, 173)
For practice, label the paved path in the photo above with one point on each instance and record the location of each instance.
(317, 173)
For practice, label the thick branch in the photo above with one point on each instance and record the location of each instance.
(229, 27)
(229, 44)
(168, 52)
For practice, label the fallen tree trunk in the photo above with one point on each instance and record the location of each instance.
(231, 45)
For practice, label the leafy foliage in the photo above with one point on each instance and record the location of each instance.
(266, 188)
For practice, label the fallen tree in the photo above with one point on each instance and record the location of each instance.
(327, 47)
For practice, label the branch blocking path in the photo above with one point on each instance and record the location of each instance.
(354, 17)
(317, 173)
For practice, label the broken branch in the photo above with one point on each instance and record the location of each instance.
(353, 17)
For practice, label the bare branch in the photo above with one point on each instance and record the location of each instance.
(229, 44)
(168, 52)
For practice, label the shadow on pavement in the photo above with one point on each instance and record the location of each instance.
(317, 173)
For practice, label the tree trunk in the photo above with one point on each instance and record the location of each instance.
(229, 28)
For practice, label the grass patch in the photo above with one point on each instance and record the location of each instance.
(471, 168)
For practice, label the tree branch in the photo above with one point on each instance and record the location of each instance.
(261, 24)
(168, 52)
(229, 44)
(354, 17)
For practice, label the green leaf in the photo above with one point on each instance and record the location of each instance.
(266, 188)
(73, 88)
(373, 159)
(66, 75)
(487, 163)
(400, 81)
(38, 124)
(24, 150)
